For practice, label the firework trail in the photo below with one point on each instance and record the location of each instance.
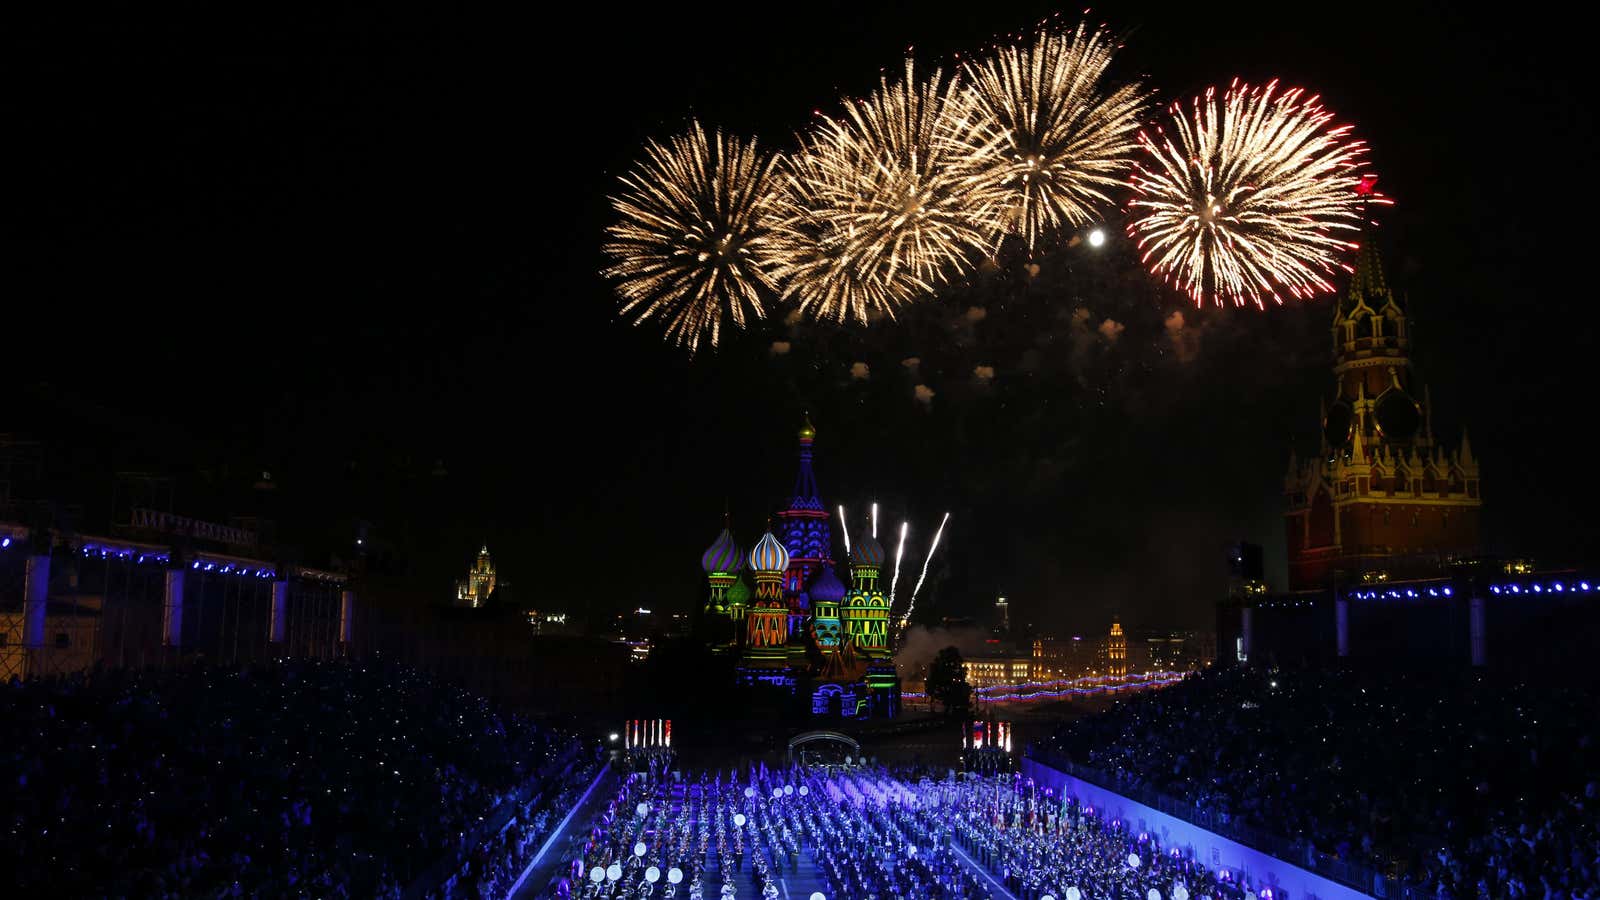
(845, 527)
(899, 551)
(931, 549)
(1251, 198)
(1050, 135)
(874, 520)
(693, 242)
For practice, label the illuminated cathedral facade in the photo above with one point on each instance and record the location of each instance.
(1385, 498)
(795, 624)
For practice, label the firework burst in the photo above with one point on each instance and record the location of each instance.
(693, 242)
(873, 214)
(1050, 136)
(1251, 198)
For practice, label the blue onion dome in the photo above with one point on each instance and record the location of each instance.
(867, 552)
(769, 555)
(827, 588)
(738, 593)
(723, 555)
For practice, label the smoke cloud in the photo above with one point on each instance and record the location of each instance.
(983, 373)
(921, 643)
(1185, 340)
(860, 372)
(780, 348)
(924, 394)
(1080, 339)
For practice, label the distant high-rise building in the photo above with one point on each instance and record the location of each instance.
(474, 590)
(1384, 498)
(1002, 612)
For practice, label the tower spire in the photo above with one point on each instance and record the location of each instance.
(805, 482)
(1368, 280)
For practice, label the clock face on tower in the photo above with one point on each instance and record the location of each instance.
(1397, 415)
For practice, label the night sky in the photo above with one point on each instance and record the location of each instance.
(346, 248)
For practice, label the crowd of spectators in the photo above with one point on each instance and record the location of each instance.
(1460, 784)
(328, 779)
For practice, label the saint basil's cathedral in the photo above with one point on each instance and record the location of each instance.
(800, 629)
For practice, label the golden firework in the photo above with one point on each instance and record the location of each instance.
(874, 216)
(1253, 197)
(693, 241)
(1050, 134)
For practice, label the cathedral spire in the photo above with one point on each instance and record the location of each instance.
(806, 534)
(805, 482)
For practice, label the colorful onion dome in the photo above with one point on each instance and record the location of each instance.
(768, 555)
(723, 555)
(738, 593)
(827, 588)
(867, 552)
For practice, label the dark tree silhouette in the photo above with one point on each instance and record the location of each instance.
(947, 683)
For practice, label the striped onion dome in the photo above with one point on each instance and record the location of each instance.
(738, 593)
(769, 555)
(723, 555)
(827, 588)
(867, 552)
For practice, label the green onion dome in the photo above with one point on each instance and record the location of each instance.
(738, 593)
